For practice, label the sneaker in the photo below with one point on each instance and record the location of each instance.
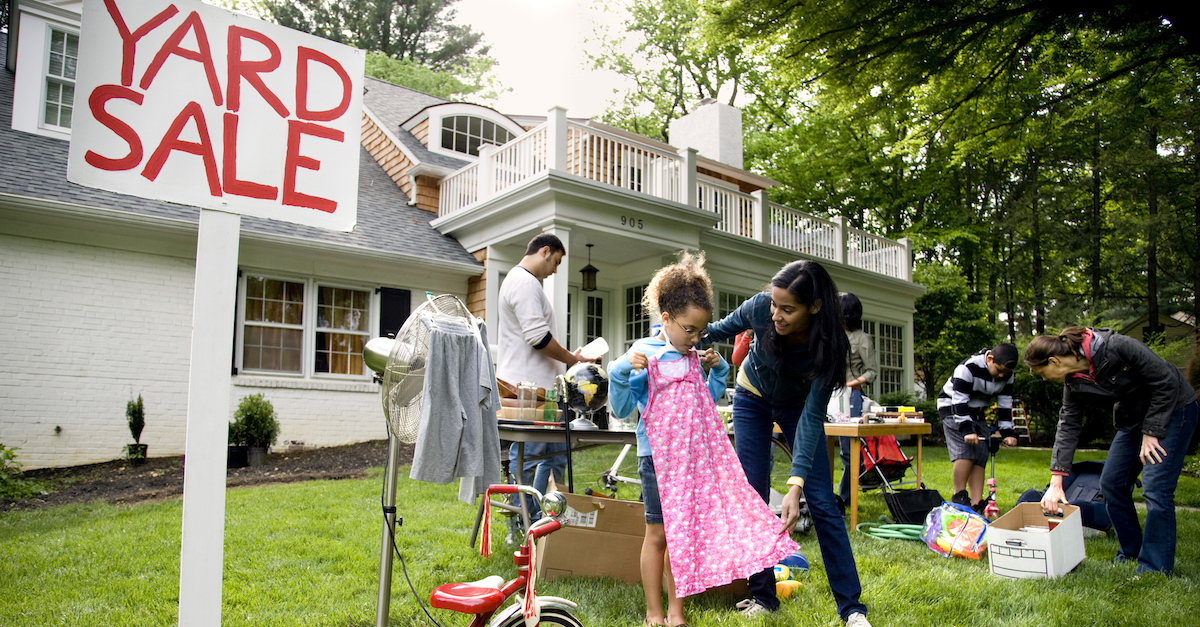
(857, 619)
(751, 607)
(962, 498)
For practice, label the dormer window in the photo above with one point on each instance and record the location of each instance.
(465, 133)
(60, 79)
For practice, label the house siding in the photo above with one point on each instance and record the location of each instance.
(86, 329)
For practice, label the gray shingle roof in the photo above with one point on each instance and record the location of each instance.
(36, 166)
(394, 105)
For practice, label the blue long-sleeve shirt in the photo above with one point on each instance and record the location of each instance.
(629, 389)
(781, 379)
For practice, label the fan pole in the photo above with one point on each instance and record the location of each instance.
(383, 602)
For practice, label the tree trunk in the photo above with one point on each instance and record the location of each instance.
(1095, 228)
(1154, 329)
(1035, 246)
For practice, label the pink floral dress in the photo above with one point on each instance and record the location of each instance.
(718, 528)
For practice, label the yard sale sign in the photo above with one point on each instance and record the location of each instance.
(189, 103)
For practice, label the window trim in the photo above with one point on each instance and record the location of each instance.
(309, 326)
(46, 78)
(434, 115)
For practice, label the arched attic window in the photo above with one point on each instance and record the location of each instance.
(465, 133)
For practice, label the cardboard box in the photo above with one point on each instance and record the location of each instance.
(603, 539)
(1019, 554)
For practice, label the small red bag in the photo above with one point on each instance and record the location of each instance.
(741, 346)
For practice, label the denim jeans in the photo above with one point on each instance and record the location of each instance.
(1154, 550)
(753, 418)
(844, 442)
(537, 472)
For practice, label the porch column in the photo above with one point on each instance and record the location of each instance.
(487, 171)
(556, 284)
(556, 138)
(839, 240)
(759, 228)
(687, 178)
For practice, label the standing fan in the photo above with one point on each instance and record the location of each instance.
(401, 364)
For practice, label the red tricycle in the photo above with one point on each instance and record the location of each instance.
(483, 598)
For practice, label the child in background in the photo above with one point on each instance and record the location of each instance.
(705, 525)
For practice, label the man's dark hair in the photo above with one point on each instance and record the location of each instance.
(543, 240)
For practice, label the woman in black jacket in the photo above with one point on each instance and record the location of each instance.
(1154, 410)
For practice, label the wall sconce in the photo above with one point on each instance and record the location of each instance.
(589, 273)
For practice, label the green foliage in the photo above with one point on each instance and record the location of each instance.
(13, 484)
(254, 423)
(135, 415)
(671, 62)
(421, 31)
(947, 326)
(473, 83)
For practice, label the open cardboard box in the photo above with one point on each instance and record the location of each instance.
(603, 539)
(1020, 554)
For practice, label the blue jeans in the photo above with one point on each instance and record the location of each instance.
(1154, 550)
(537, 472)
(844, 442)
(753, 420)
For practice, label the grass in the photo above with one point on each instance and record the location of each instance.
(308, 553)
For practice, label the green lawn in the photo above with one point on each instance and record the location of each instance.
(307, 554)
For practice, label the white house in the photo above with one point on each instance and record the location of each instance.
(96, 287)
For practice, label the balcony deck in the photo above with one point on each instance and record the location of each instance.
(610, 159)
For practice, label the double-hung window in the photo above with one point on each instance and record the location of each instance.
(60, 79)
(303, 328)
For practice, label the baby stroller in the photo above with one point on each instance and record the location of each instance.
(884, 463)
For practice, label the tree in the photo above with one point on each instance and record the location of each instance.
(415, 30)
(947, 326)
(955, 54)
(673, 64)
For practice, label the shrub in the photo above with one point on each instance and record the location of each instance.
(13, 484)
(135, 414)
(254, 423)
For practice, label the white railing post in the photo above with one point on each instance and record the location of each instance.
(689, 194)
(906, 262)
(556, 138)
(762, 210)
(487, 171)
(840, 240)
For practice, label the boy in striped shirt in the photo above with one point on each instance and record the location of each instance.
(979, 379)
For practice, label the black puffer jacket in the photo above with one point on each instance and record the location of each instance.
(1140, 388)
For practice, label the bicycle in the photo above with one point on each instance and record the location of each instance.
(483, 598)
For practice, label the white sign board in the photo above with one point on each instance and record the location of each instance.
(189, 103)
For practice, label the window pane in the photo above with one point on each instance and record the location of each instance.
(460, 143)
(273, 290)
(64, 118)
(58, 41)
(460, 123)
(72, 45)
(473, 145)
(56, 65)
(293, 313)
(476, 127)
(448, 139)
(448, 123)
(489, 131)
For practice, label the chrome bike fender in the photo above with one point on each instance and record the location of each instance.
(543, 602)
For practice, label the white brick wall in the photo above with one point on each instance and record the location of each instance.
(87, 328)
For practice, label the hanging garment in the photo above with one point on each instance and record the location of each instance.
(718, 528)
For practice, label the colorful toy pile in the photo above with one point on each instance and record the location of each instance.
(786, 572)
(953, 529)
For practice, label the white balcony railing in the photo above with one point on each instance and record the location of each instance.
(610, 159)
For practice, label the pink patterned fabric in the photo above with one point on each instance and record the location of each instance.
(718, 528)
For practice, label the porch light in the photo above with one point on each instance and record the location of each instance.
(589, 273)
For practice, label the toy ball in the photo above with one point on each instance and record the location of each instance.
(785, 589)
(782, 573)
(796, 563)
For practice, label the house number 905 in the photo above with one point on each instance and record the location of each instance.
(633, 223)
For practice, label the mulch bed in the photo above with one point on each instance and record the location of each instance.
(120, 482)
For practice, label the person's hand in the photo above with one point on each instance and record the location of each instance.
(790, 510)
(711, 358)
(1053, 496)
(1010, 441)
(1152, 451)
(971, 438)
(638, 360)
(854, 383)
